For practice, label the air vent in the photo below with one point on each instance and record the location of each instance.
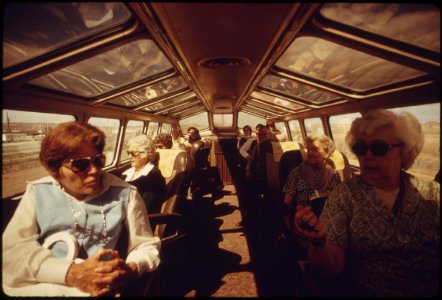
(224, 62)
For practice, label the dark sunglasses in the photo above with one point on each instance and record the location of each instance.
(378, 148)
(79, 165)
(134, 153)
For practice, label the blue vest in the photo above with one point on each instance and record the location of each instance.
(54, 214)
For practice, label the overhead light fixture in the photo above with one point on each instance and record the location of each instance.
(224, 62)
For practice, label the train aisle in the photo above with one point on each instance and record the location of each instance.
(218, 262)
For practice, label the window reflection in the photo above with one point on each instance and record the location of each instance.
(277, 101)
(297, 89)
(33, 29)
(150, 92)
(413, 23)
(328, 61)
(107, 71)
(265, 107)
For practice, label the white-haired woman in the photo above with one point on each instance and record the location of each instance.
(144, 174)
(380, 229)
(311, 181)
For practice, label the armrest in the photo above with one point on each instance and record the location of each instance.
(172, 226)
(174, 219)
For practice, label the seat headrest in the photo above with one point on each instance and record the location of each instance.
(280, 147)
(337, 160)
(289, 160)
(166, 160)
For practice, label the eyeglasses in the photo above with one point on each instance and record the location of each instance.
(134, 153)
(79, 165)
(378, 148)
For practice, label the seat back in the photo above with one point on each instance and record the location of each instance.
(173, 165)
(289, 160)
(273, 161)
(200, 153)
(200, 174)
(340, 163)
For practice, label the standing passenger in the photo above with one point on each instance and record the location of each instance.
(242, 156)
(247, 130)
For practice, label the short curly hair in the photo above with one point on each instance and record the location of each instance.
(325, 140)
(406, 127)
(142, 143)
(164, 139)
(63, 142)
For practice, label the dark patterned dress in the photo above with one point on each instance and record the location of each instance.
(303, 189)
(391, 255)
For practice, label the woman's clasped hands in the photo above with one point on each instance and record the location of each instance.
(103, 274)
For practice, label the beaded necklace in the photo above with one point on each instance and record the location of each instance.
(81, 232)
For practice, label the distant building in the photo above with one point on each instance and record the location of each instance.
(14, 137)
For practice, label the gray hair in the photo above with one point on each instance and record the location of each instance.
(406, 127)
(325, 141)
(142, 143)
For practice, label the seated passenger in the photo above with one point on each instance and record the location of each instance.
(163, 141)
(193, 135)
(81, 211)
(380, 229)
(144, 174)
(311, 181)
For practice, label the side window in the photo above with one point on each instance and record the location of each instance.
(295, 131)
(339, 126)
(133, 129)
(248, 119)
(152, 129)
(200, 121)
(110, 127)
(281, 127)
(222, 120)
(22, 132)
(313, 126)
(427, 164)
(166, 128)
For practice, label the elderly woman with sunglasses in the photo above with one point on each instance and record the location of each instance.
(63, 236)
(144, 174)
(380, 229)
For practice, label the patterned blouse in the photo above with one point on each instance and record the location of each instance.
(391, 255)
(297, 183)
